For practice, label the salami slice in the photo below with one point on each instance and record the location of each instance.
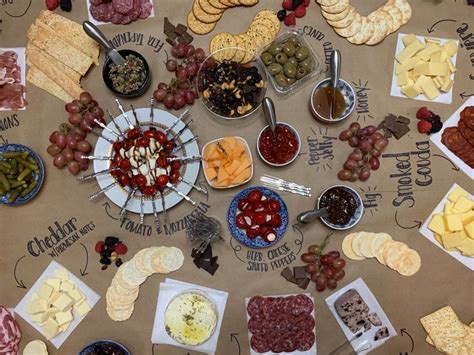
(290, 343)
(453, 139)
(305, 322)
(256, 326)
(136, 10)
(117, 18)
(306, 341)
(123, 6)
(467, 115)
(126, 20)
(278, 303)
(288, 304)
(254, 306)
(466, 131)
(302, 304)
(276, 344)
(147, 8)
(96, 2)
(259, 344)
(102, 12)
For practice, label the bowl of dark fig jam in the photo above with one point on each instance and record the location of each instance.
(282, 151)
(344, 205)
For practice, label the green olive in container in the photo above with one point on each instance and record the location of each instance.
(290, 61)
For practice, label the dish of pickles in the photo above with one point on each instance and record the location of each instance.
(21, 174)
(289, 60)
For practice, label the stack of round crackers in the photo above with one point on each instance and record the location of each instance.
(358, 29)
(263, 29)
(125, 286)
(396, 255)
(205, 14)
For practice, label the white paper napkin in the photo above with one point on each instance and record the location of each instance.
(91, 296)
(168, 290)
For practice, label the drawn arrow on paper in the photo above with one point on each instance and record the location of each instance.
(19, 283)
(454, 167)
(464, 95)
(23, 13)
(83, 272)
(295, 228)
(233, 337)
(107, 208)
(431, 29)
(402, 331)
(417, 223)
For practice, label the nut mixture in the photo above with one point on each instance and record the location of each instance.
(128, 77)
(110, 250)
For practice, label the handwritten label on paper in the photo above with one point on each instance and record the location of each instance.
(182, 223)
(412, 168)
(138, 39)
(8, 122)
(370, 198)
(321, 149)
(62, 235)
(362, 107)
(467, 41)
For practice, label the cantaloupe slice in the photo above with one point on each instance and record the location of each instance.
(211, 173)
(214, 163)
(233, 166)
(222, 175)
(244, 175)
(230, 141)
(238, 149)
(243, 165)
(209, 151)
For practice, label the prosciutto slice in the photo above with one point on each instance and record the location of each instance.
(10, 333)
(12, 92)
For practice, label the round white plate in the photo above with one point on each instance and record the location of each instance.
(118, 194)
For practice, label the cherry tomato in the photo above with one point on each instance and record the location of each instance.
(117, 158)
(240, 221)
(275, 220)
(169, 145)
(133, 133)
(117, 146)
(260, 218)
(253, 231)
(259, 206)
(161, 137)
(153, 190)
(125, 165)
(242, 203)
(175, 177)
(124, 179)
(274, 205)
(255, 196)
(149, 134)
(147, 191)
(163, 180)
(143, 142)
(115, 173)
(162, 162)
(139, 180)
(176, 165)
(270, 235)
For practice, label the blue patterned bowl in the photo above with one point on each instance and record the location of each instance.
(240, 235)
(347, 91)
(89, 349)
(39, 175)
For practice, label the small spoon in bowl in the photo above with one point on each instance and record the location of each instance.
(270, 115)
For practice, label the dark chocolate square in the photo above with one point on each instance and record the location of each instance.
(181, 29)
(299, 272)
(287, 273)
(304, 283)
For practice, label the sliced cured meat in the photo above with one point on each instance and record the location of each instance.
(306, 341)
(277, 304)
(123, 6)
(305, 322)
(453, 139)
(256, 326)
(102, 12)
(96, 2)
(290, 343)
(276, 344)
(288, 304)
(10, 333)
(301, 304)
(136, 10)
(254, 306)
(147, 8)
(259, 344)
(467, 115)
(12, 92)
(466, 131)
(117, 18)
(126, 20)
(281, 324)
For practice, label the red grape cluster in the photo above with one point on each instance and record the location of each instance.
(68, 145)
(84, 111)
(179, 92)
(325, 269)
(368, 145)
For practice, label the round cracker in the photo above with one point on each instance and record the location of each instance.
(199, 27)
(327, 2)
(379, 252)
(117, 300)
(120, 315)
(239, 54)
(207, 7)
(393, 253)
(366, 245)
(405, 9)
(355, 243)
(337, 17)
(119, 278)
(347, 248)
(379, 239)
(167, 260)
(202, 15)
(218, 4)
(227, 3)
(337, 8)
(363, 35)
(248, 2)
(270, 15)
(345, 22)
(131, 276)
(260, 35)
(352, 29)
(409, 263)
(225, 43)
(395, 13)
(249, 49)
(382, 26)
(269, 24)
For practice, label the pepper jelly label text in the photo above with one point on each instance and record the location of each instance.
(61, 236)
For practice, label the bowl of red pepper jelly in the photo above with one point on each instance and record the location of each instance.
(283, 150)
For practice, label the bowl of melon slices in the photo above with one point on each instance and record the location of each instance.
(227, 162)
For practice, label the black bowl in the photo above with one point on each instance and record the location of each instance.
(140, 91)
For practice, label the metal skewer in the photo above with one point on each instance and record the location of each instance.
(163, 202)
(155, 214)
(172, 187)
(106, 128)
(120, 107)
(93, 175)
(101, 136)
(179, 146)
(180, 132)
(124, 207)
(185, 159)
(105, 189)
(95, 157)
(152, 109)
(179, 119)
(135, 115)
(142, 212)
(198, 188)
(117, 127)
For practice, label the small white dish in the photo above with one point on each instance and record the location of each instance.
(298, 138)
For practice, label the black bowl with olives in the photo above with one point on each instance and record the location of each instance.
(290, 61)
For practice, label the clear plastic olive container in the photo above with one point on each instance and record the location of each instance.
(314, 73)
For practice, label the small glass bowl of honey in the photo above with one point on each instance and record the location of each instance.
(322, 96)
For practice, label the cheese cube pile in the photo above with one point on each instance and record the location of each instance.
(425, 68)
(227, 162)
(454, 228)
(52, 306)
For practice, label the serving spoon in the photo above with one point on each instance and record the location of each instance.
(270, 115)
(335, 71)
(97, 35)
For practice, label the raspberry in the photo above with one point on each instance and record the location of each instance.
(287, 5)
(52, 4)
(290, 19)
(424, 126)
(99, 247)
(423, 113)
(121, 249)
(306, 3)
(297, 3)
(300, 11)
